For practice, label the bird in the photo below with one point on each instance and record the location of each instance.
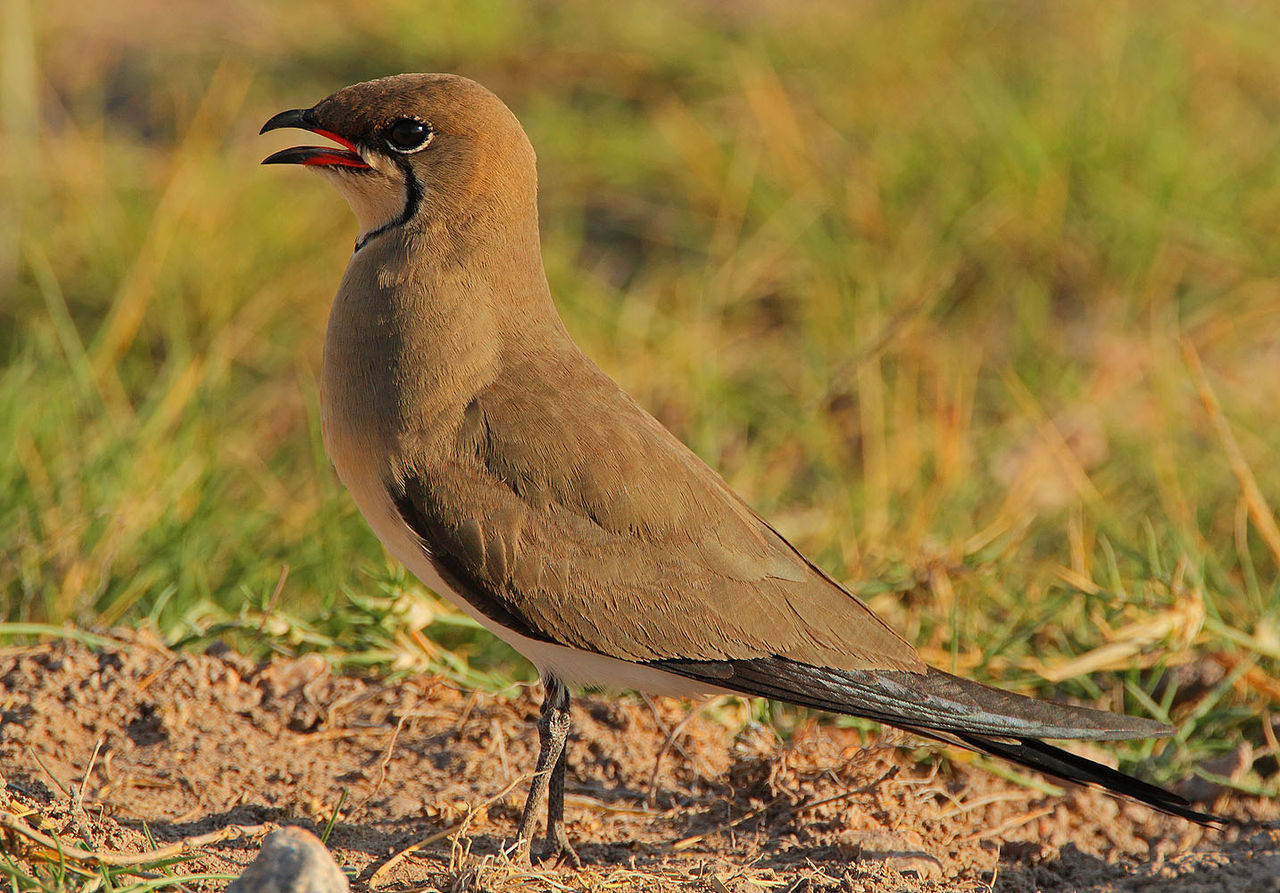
(514, 477)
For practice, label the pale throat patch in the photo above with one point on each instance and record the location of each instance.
(376, 198)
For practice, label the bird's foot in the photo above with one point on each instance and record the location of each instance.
(556, 852)
(559, 851)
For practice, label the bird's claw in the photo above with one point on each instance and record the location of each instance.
(558, 852)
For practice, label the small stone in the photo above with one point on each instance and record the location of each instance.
(292, 860)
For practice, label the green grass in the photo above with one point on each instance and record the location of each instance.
(946, 290)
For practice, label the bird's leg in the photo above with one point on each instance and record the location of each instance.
(558, 846)
(553, 733)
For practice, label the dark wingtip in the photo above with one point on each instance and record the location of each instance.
(959, 711)
(1072, 767)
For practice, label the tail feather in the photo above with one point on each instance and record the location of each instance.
(929, 700)
(949, 708)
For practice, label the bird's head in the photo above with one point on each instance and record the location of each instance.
(417, 150)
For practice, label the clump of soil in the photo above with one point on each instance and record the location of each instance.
(97, 747)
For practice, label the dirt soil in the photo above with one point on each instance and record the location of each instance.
(186, 745)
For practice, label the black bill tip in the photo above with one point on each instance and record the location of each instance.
(347, 157)
(296, 155)
(300, 118)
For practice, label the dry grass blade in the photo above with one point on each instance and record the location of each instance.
(1259, 510)
(57, 851)
(667, 743)
(1181, 622)
(1005, 827)
(380, 875)
(386, 759)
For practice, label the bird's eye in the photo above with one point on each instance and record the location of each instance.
(408, 135)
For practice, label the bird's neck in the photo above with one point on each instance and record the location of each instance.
(422, 323)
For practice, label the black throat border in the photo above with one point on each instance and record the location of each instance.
(413, 198)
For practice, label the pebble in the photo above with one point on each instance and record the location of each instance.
(292, 860)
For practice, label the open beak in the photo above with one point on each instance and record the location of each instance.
(324, 156)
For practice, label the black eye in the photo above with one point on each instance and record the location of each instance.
(408, 135)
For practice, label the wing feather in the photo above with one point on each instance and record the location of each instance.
(596, 527)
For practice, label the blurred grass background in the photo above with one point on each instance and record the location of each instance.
(978, 301)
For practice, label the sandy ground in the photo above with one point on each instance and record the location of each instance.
(187, 745)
